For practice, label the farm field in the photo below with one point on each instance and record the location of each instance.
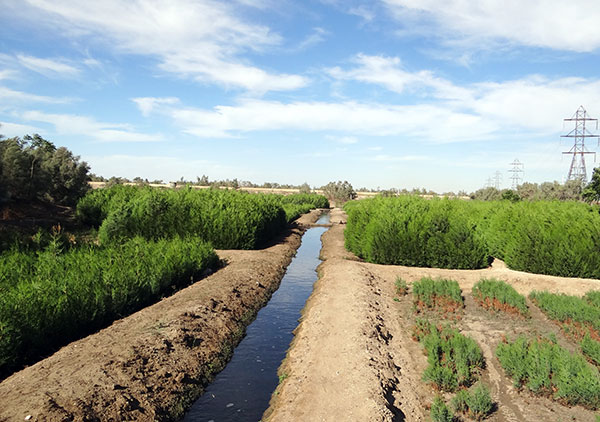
(354, 356)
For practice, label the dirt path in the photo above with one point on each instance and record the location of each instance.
(153, 364)
(353, 357)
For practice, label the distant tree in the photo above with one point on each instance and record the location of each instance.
(591, 192)
(339, 192)
(304, 188)
(510, 195)
(487, 194)
(33, 167)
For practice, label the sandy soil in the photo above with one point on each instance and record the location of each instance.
(153, 364)
(353, 358)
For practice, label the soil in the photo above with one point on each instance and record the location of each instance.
(155, 363)
(353, 357)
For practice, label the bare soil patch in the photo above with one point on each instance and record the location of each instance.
(153, 364)
(354, 359)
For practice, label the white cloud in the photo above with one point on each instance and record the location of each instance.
(47, 67)
(363, 12)
(10, 95)
(347, 140)
(9, 129)
(316, 37)
(148, 104)
(395, 158)
(8, 74)
(557, 24)
(201, 39)
(70, 124)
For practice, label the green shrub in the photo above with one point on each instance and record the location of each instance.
(440, 293)
(401, 287)
(593, 298)
(413, 231)
(51, 298)
(499, 295)
(453, 358)
(476, 402)
(439, 411)
(591, 349)
(547, 369)
(568, 309)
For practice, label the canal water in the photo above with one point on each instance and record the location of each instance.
(241, 392)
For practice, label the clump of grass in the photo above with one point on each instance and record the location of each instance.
(476, 403)
(593, 298)
(454, 359)
(547, 369)
(438, 294)
(499, 296)
(439, 411)
(401, 287)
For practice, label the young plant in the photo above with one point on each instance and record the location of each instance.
(498, 295)
(401, 287)
(443, 295)
(439, 411)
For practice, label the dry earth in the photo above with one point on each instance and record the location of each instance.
(353, 358)
(153, 364)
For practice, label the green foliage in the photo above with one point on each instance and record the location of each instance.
(546, 368)
(476, 402)
(591, 349)
(226, 218)
(33, 168)
(453, 358)
(401, 287)
(564, 308)
(591, 193)
(53, 297)
(593, 298)
(339, 192)
(439, 411)
(413, 231)
(499, 295)
(431, 293)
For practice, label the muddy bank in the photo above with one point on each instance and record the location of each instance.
(153, 364)
(354, 359)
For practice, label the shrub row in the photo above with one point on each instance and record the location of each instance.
(442, 294)
(500, 296)
(547, 237)
(51, 298)
(547, 369)
(412, 231)
(568, 309)
(476, 403)
(453, 358)
(227, 219)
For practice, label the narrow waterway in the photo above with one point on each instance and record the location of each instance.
(241, 392)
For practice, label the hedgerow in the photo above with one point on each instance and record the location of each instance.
(547, 369)
(415, 232)
(51, 298)
(227, 219)
(454, 359)
(500, 296)
(442, 294)
(548, 237)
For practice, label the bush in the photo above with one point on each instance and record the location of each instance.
(500, 296)
(591, 349)
(568, 309)
(439, 411)
(547, 369)
(52, 298)
(453, 358)
(413, 231)
(442, 294)
(401, 287)
(477, 402)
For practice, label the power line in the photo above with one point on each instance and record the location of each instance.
(517, 171)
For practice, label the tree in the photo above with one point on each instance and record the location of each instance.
(339, 191)
(304, 188)
(591, 193)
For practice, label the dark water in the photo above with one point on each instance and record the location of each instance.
(241, 392)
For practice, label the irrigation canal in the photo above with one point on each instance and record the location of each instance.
(241, 392)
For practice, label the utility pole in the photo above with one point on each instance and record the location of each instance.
(497, 179)
(488, 182)
(517, 173)
(577, 171)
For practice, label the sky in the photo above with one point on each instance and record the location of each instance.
(381, 93)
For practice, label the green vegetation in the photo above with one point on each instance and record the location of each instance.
(591, 349)
(52, 297)
(339, 192)
(33, 168)
(441, 294)
(476, 403)
(591, 193)
(439, 411)
(401, 287)
(546, 237)
(499, 295)
(579, 316)
(547, 369)
(227, 219)
(593, 298)
(412, 231)
(453, 358)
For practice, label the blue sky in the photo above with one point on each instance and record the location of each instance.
(389, 93)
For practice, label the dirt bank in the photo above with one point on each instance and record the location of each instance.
(153, 364)
(353, 357)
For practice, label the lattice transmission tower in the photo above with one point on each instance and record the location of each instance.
(517, 173)
(497, 179)
(577, 171)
